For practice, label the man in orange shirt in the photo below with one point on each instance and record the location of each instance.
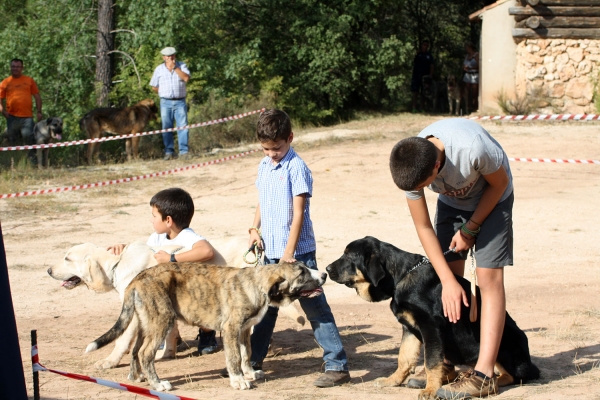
(16, 104)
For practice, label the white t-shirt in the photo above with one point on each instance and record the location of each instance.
(186, 238)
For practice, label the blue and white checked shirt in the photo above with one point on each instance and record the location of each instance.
(277, 186)
(170, 85)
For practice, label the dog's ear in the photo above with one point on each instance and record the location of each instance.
(375, 270)
(277, 287)
(49, 121)
(98, 281)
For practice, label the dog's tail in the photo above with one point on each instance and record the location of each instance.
(127, 313)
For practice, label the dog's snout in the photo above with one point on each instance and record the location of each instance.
(323, 277)
(50, 271)
(328, 269)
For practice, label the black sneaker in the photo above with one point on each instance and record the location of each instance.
(207, 342)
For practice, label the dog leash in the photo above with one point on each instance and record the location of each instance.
(257, 251)
(473, 311)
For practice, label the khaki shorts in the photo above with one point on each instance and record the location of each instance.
(493, 245)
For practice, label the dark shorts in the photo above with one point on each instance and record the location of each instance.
(493, 245)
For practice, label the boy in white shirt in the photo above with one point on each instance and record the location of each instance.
(172, 212)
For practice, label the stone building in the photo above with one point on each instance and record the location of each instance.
(551, 53)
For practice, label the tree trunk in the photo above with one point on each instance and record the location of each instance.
(104, 44)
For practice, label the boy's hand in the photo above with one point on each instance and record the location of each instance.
(162, 256)
(461, 242)
(255, 238)
(117, 249)
(452, 294)
(288, 258)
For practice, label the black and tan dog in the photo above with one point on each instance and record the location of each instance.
(118, 121)
(226, 299)
(46, 131)
(379, 271)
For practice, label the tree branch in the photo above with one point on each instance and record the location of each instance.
(132, 61)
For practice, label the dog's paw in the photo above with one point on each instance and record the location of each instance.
(238, 382)
(427, 394)
(163, 386)
(387, 382)
(136, 378)
(106, 364)
(254, 375)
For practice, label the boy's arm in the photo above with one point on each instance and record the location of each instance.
(497, 183)
(299, 203)
(254, 235)
(452, 292)
(201, 251)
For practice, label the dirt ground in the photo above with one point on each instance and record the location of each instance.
(552, 290)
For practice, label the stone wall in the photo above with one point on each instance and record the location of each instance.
(563, 72)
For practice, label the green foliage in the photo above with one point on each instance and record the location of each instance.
(321, 61)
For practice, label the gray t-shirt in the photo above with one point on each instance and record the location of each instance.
(470, 153)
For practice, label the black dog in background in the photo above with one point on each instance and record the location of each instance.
(379, 271)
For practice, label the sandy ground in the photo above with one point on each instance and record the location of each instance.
(552, 291)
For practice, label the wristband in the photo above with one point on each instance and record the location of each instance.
(470, 232)
(464, 237)
(256, 229)
(173, 258)
(476, 223)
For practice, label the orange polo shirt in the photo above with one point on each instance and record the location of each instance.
(17, 93)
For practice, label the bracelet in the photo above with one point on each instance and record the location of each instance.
(173, 258)
(470, 232)
(256, 229)
(464, 237)
(476, 223)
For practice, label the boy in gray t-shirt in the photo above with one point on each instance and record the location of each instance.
(459, 159)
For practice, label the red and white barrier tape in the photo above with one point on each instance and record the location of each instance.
(539, 117)
(555, 160)
(107, 138)
(37, 367)
(220, 160)
(123, 180)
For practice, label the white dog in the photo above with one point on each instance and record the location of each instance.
(102, 271)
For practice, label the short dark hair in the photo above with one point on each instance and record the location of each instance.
(412, 161)
(16, 60)
(273, 125)
(176, 203)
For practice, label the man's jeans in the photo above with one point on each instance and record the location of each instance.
(318, 313)
(174, 111)
(22, 126)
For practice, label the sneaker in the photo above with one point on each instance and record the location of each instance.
(257, 366)
(332, 378)
(207, 342)
(168, 157)
(419, 381)
(469, 384)
(185, 156)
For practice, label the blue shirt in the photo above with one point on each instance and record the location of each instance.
(169, 84)
(277, 186)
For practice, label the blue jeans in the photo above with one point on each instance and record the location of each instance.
(321, 319)
(170, 111)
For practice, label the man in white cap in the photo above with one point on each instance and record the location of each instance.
(169, 81)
